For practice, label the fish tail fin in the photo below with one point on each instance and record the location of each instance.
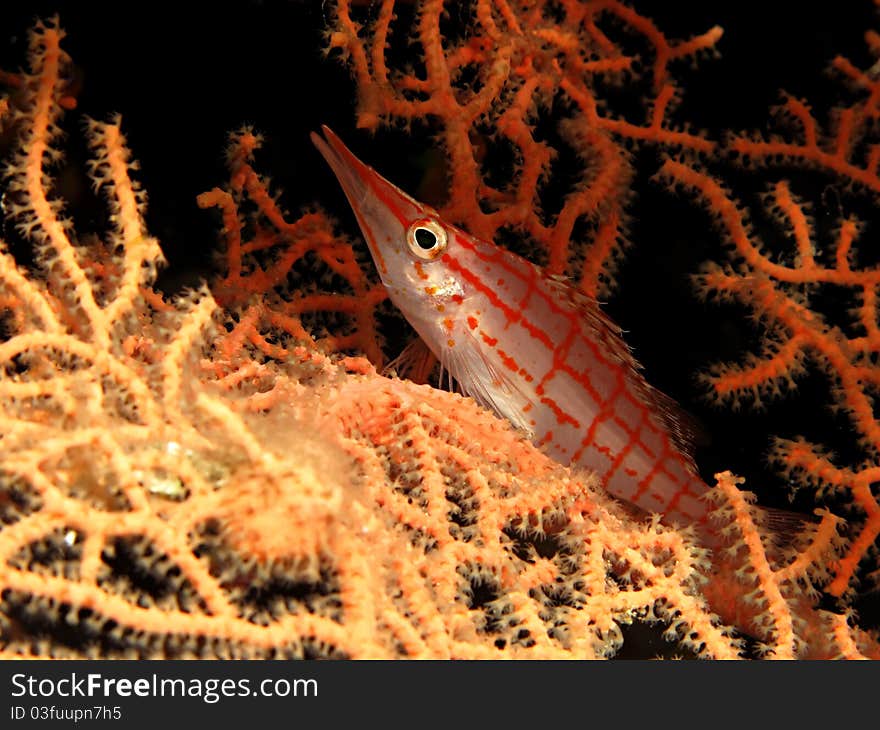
(784, 526)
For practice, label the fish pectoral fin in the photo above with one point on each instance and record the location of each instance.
(486, 381)
(415, 362)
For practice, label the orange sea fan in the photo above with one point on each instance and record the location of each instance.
(168, 490)
(814, 295)
(487, 78)
(261, 247)
(163, 496)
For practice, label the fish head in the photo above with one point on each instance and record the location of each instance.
(410, 243)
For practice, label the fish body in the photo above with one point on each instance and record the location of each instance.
(526, 345)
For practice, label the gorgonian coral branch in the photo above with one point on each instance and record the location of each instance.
(168, 491)
(483, 90)
(257, 270)
(789, 292)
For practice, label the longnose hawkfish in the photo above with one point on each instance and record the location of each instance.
(526, 345)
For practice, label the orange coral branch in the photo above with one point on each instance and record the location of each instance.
(765, 286)
(247, 277)
(144, 444)
(835, 153)
(522, 61)
(779, 289)
(306, 506)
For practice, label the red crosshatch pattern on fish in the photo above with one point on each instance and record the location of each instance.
(617, 434)
(526, 345)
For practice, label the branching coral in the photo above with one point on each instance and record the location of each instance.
(170, 488)
(796, 291)
(484, 85)
(162, 497)
(485, 82)
(257, 271)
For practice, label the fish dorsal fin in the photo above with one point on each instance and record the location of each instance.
(681, 426)
(481, 379)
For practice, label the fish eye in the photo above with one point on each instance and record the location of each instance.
(426, 238)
